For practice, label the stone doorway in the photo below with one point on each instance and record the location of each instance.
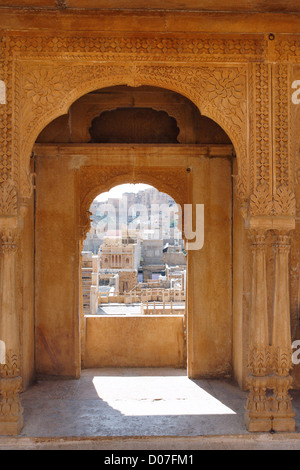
(82, 168)
(194, 165)
(191, 159)
(237, 80)
(133, 268)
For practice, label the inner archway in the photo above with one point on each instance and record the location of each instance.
(134, 281)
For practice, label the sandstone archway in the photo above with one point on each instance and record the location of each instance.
(80, 171)
(242, 81)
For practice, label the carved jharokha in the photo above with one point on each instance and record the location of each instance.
(269, 404)
(11, 413)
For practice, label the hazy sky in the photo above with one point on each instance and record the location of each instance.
(117, 191)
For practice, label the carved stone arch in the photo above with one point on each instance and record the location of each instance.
(208, 87)
(91, 187)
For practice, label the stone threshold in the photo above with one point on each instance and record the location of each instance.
(257, 441)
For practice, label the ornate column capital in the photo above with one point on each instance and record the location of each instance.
(9, 240)
(257, 238)
(282, 241)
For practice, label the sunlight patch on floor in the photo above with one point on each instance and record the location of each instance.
(157, 396)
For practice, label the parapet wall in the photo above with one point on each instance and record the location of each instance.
(135, 341)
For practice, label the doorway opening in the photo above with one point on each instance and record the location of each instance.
(135, 135)
(133, 274)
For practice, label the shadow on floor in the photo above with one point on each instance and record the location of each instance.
(134, 402)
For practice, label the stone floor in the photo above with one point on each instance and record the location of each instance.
(119, 408)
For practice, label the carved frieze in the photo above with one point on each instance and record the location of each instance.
(6, 156)
(287, 49)
(143, 48)
(281, 106)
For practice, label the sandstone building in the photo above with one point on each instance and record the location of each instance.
(198, 99)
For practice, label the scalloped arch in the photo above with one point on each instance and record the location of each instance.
(125, 178)
(177, 193)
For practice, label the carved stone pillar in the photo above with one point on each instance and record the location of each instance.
(11, 412)
(258, 413)
(283, 414)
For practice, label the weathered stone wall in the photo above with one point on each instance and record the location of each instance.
(57, 270)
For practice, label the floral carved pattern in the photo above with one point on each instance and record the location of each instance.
(52, 87)
(8, 198)
(287, 50)
(262, 202)
(6, 160)
(48, 92)
(262, 131)
(281, 125)
(142, 48)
